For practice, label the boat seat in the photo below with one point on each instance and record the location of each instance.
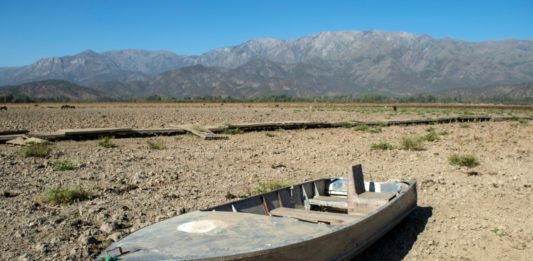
(314, 216)
(328, 201)
(342, 203)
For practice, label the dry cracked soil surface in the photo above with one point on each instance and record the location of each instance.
(478, 213)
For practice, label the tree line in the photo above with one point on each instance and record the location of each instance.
(361, 98)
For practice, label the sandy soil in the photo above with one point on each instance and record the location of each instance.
(483, 213)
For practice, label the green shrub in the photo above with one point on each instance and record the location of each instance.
(361, 128)
(382, 146)
(232, 131)
(266, 186)
(376, 129)
(270, 134)
(57, 196)
(156, 144)
(62, 165)
(444, 132)
(39, 150)
(466, 160)
(346, 124)
(107, 142)
(412, 143)
(431, 135)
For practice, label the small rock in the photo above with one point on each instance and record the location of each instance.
(87, 240)
(278, 165)
(160, 218)
(10, 194)
(229, 195)
(472, 173)
(107, 227)
(24, 257)
(41, 247)
(115, 236)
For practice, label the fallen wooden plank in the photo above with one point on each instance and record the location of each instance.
(157, 132)
(11, 132)
(202, 132)
(262, 126)
(95, 131)
(50, 136)
(23, 141)
(4, 138)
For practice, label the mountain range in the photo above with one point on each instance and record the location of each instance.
(323, 64)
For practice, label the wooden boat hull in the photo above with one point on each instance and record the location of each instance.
(249, 236)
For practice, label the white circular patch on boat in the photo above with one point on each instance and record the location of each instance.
(202, 226)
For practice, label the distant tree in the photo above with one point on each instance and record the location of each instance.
(22, 98)
(5, 98)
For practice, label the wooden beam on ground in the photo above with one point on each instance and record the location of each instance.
(202, 132)
(95, 131)
(50, 136)
(4, 138)
(12, 132)
(213, 132)
(157, 132)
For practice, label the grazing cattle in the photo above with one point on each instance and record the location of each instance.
(3, 108)
(66, 107)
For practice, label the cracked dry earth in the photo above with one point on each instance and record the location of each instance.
(480, 213)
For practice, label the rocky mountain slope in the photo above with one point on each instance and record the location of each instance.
(324, 64)
(52, 90)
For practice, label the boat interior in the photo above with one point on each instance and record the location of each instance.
(333, 201)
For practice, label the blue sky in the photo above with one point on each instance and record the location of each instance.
(30, 30)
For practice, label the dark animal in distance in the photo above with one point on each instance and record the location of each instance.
(66, 107)
(3, 108)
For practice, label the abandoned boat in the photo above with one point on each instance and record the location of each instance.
(325, 219)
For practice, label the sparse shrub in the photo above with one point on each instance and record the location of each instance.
(444, 132)
(266, 186)
(464, 125)
(57, 196)
(499, 232)
(232, 131)
(346, 124)
(523, 121)
(383, 145)
(39, 150)
(361, 128)
(107, 142)
(467, 160)
(62, 165)
(374, 130)
(412, 143)
(431, 135)
(156, 144)
(364, 127)
(270, 134)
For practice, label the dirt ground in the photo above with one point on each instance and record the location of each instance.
(479, 213)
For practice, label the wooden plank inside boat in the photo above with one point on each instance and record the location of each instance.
(313, 216)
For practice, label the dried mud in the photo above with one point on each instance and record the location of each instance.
(480, 213)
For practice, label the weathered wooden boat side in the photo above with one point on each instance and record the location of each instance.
(294, 223)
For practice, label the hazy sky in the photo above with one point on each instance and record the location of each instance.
(30, 30)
